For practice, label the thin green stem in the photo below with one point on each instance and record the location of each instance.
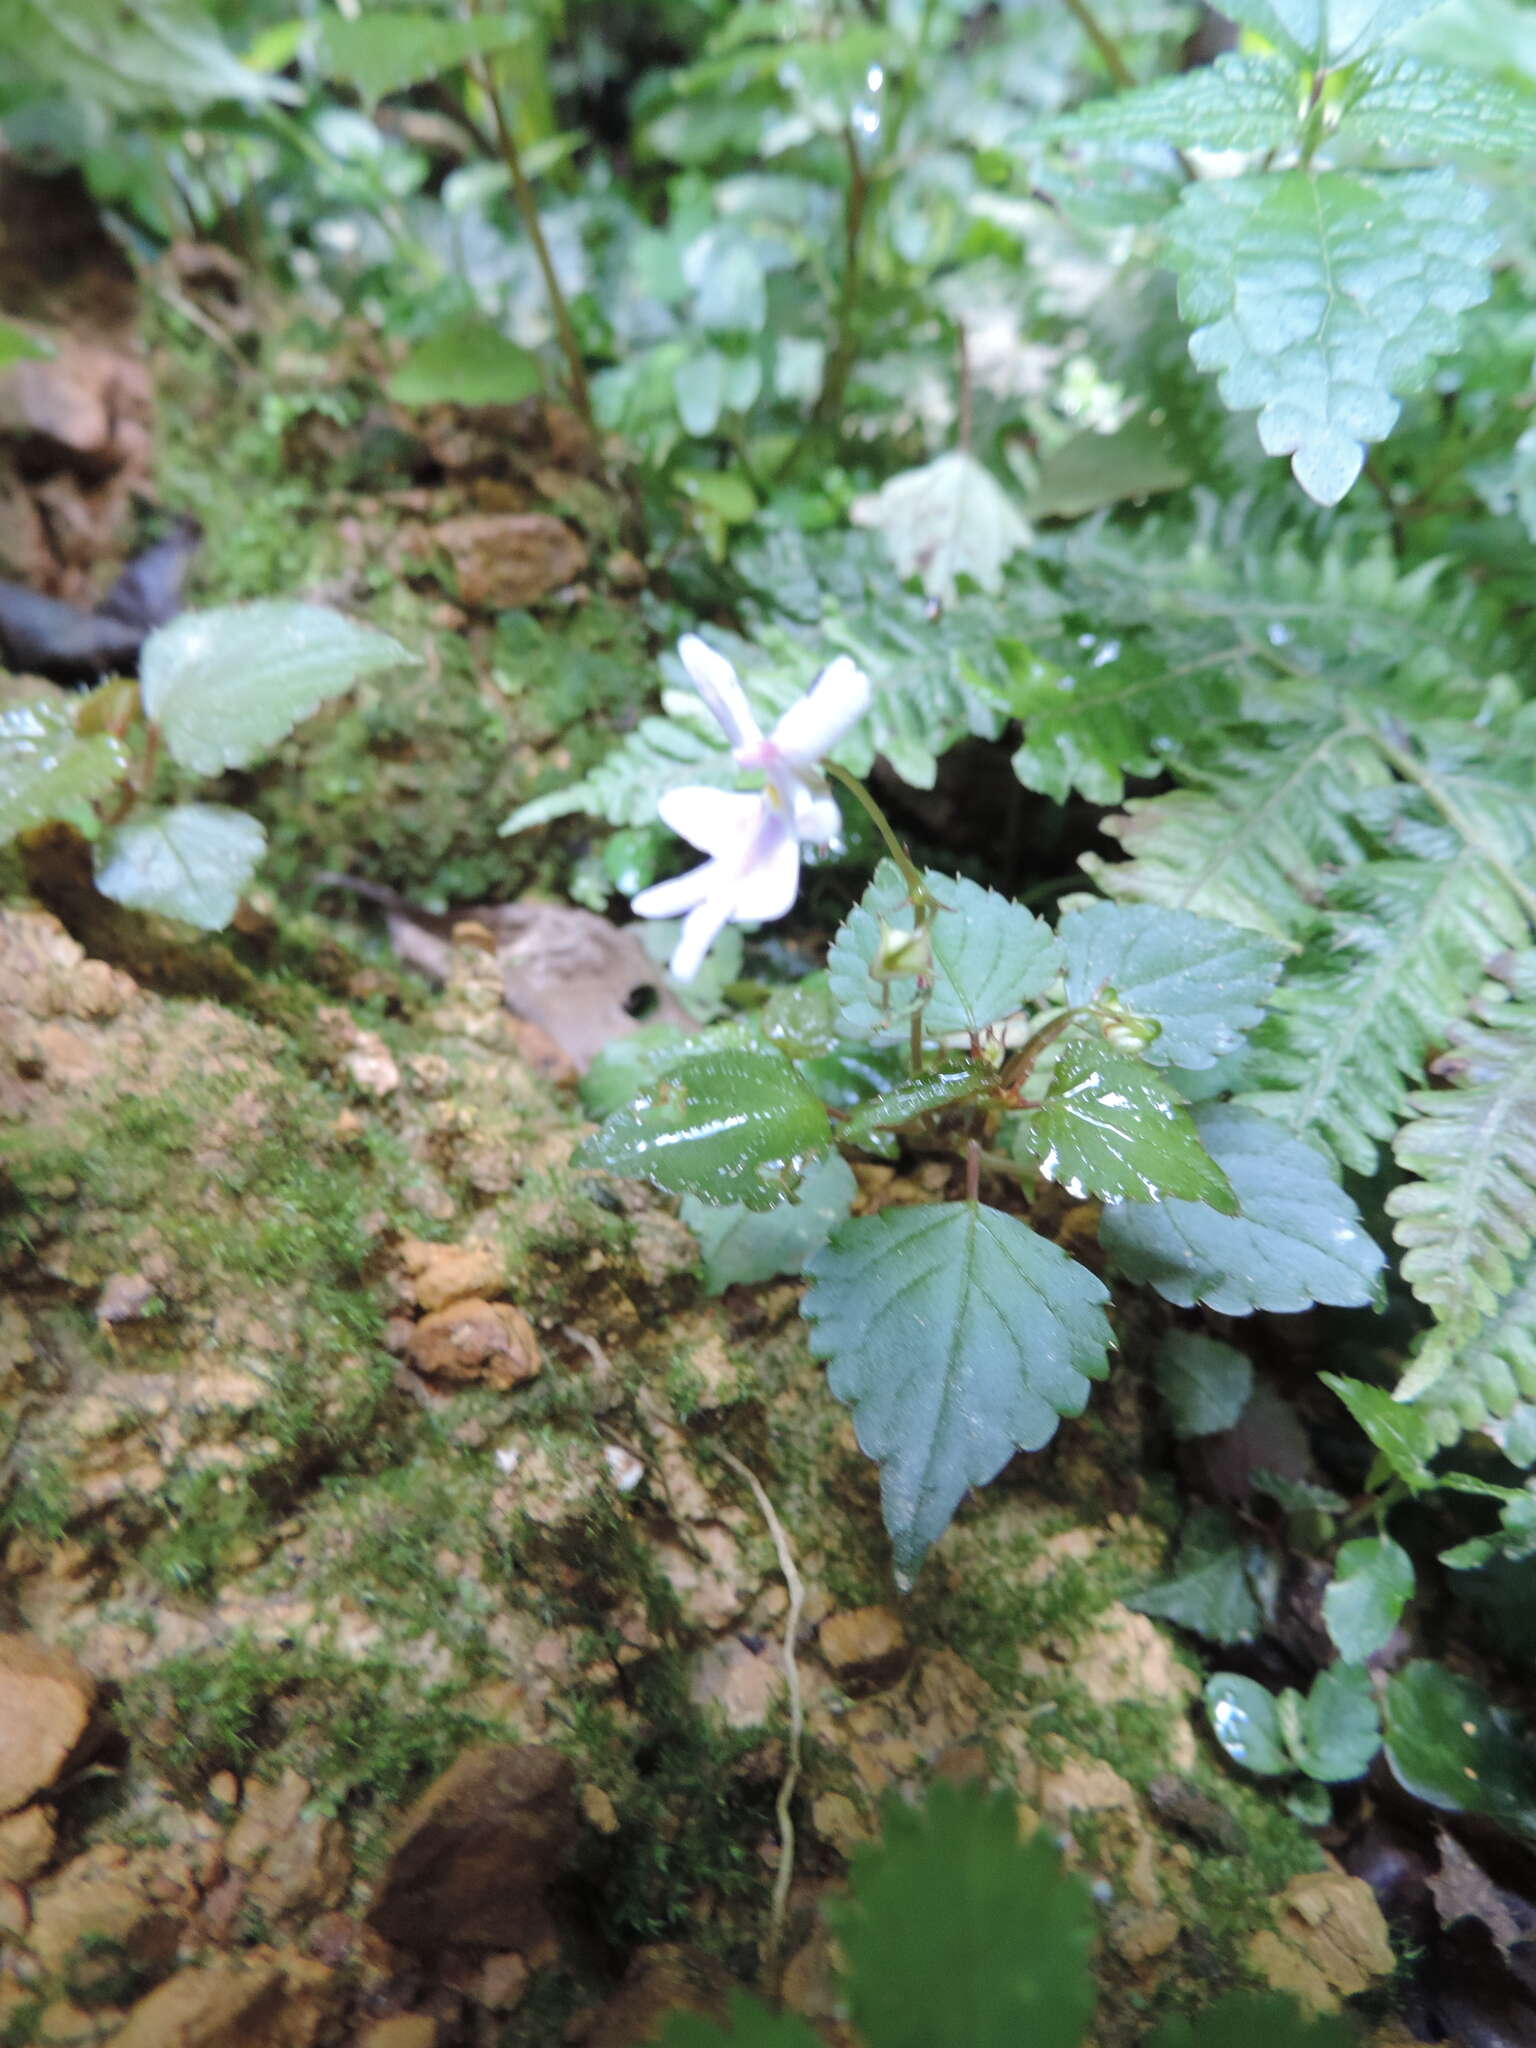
(1103, 42)
(528, 211)
(916, 887)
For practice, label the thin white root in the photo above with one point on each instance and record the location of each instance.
(773, 1946)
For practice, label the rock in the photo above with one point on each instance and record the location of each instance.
(476, 1340)
(15, 1912)
(598, 1810)
(442, 1274)
(405, 2030)
(658, 1982)
(1140, 1937)
(88, 1907)
(865, 1648)
(502, 1982)
(293, 1863)
(1330, 1942)
(505, 559)
(745, 1684)
(261, 2000)
(46, 1700)
(839, 1822)
(477, 1851)
(26, 1843)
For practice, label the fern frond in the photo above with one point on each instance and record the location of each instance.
(1487, 1381)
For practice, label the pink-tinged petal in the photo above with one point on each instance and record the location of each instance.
(714, 820)
(812, 727)
(701, 927)
(715, 680)
(677, 896)
(770, 874)
(818, 821)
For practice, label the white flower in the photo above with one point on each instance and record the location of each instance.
(753, 842)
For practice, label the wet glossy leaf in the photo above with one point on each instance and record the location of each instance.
(743, 1246)
(913, 1098)
(193, 861)
(1245, 1720)
(47, 771)
(951, 518)
(225, 686)
(466, 362)
(1205, 1383)
(958, 1931)
(1204, 983)
(1372, 1583)
(957, 1336)
(1111, 1126)
(1338, 1727)
(730, 1126)
(1449, 1745)
(1297, 1239)
(1239, 102)
(990, 956)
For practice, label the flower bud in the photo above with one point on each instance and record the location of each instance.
(901, 952)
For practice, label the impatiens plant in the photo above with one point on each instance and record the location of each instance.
(1039, 1067)
(216, 690)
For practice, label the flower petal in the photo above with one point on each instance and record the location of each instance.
(701, 927)
(769, 875)
(714, 820)
(675, 897)
(716, 682)
(818, 821)
(812, 727)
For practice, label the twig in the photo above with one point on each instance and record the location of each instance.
(779, 1908)
(963, 426)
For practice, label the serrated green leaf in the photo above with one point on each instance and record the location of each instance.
(744, 1246)
(957, 1931)
(1328, 32)
(1372, 1583)
(1205, 1383)
(1219, 1589)
(1339, 1726)
(747, 2025)
(1449, 1745)
(1239, 102)
(1401, 1433)
(1201, 981)
(468, 361)
(1112, 1126)
(1321, 300)
(909, 1100)
(1424, 111)
(385, 52)
(48, 771)
(1245, 1720)
(990, 957)
(1297, 1237)
(957, 1336)
(129, 55)
(1467, 1222)
(193, 861)
(1257, 2019)
(738, 1125)
(951, 518)
(225, 686)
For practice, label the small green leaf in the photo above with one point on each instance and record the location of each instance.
(905, 1103)
(1339, 1728)
(626, 1065)
(1204, 983)
(700, 387)
(385, 52)
(730, 1126)
(1215, 1592)
(1372, 1583)
(18, 346)
(1401, 1433)
(957, 1931)
(225, 686)
(1426, 111)
(1205, 1383)
(1330, 32)
(1449, 1745)
(957, 1336)
(47, 771)
(747, 2025)
(990, 957)
(743, 1246)
(468, 362)
(193, 861)
(1111, 1126)
(1297, 1238)
(1321, 300)
(1245, 1720)
(128, 56)
(951, 518)
(1258, 2019)
(1239, 102)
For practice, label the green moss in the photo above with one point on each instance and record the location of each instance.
(194, 1715)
